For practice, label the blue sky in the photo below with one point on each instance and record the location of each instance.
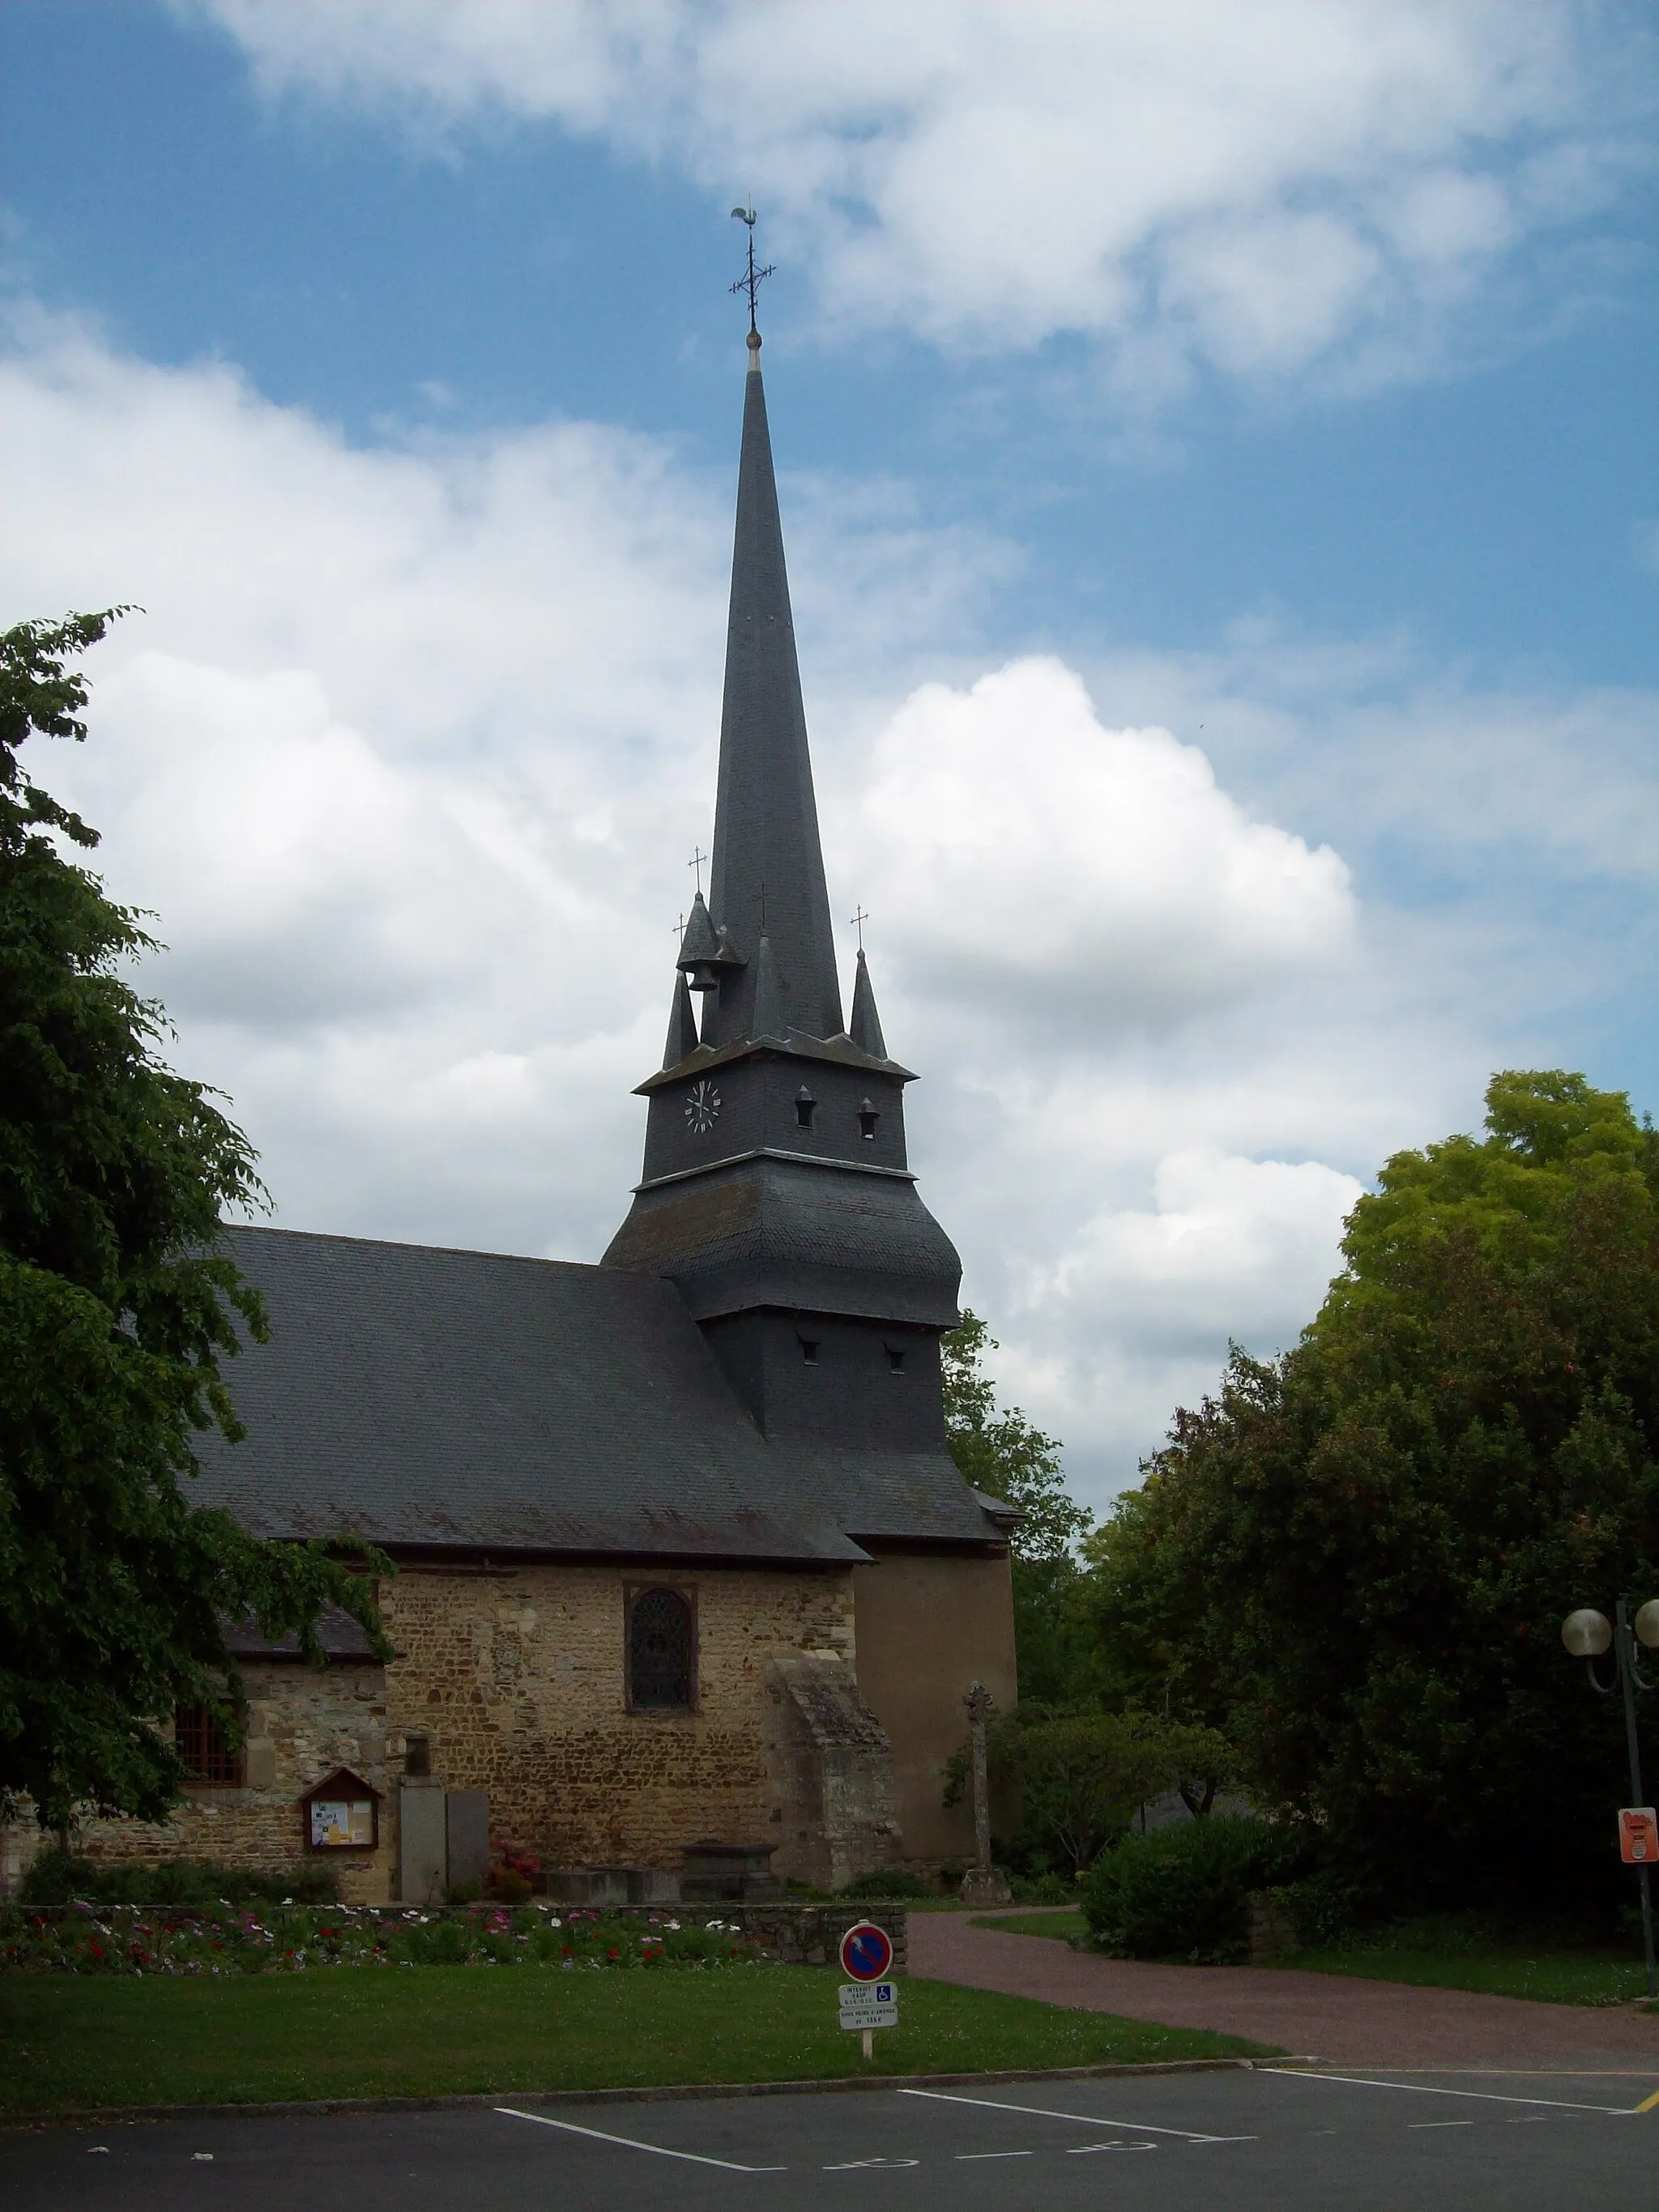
(1278, 378)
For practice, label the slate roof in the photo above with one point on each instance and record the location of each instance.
(342, 1638)
(427, 1398)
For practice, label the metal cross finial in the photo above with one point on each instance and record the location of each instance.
(857, 921)
(695, 861)
(679, 927)
(752, 278)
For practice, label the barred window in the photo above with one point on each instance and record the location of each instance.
(200, 1738)
(662, 1672)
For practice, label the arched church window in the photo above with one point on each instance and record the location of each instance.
(661, 1651)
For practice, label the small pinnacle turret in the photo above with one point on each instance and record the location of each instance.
(864, 1028)
(767, 1018)
(682, 1027)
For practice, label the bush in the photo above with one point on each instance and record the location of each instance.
(126, 1939)
(1043, 1889)
(1323, 1910)
(1184, 1891)
(59, 1877)
(894, 1882)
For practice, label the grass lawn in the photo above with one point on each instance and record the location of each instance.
(433, 2030)
(1580, 1977)
(1443, 1953)
(1066, 1924)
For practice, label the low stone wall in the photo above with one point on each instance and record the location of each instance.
(810, 1935)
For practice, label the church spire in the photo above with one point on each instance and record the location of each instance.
(864, 1028)
(768, 864)
(682, 1027)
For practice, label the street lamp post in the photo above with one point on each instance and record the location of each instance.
(1588, 1634)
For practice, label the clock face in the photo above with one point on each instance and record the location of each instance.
(703, 1109)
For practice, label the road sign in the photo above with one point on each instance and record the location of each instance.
(1639, 1836)
(866, 1953)
(869, 2004)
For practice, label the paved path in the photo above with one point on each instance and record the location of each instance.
(1326, 2016)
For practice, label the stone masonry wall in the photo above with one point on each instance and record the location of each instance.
(301, 1724)
(516, 1675)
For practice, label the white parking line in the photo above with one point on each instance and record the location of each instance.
(1083, 2119)
(1422, 2089)
(629, 2142)
(968, 2157)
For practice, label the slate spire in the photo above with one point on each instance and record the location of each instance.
(768, 863)
(682, 1027)
(864, 1028)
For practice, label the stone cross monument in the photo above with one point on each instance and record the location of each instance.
(982, 1884)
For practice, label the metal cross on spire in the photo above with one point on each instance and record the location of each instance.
(857, 921)
(752, 278)
(695, 861)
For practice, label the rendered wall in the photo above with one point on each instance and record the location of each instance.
(927, 1626)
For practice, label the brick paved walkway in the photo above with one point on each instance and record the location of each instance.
(1326, 2016)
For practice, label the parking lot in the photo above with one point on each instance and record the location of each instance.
(1266, 2138)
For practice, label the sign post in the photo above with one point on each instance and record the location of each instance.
(868, 1999)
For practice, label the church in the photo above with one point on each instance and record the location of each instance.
(683, 1558)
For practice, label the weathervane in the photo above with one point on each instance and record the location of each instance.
(752, 278)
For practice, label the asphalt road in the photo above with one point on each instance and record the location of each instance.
(1262, 2140)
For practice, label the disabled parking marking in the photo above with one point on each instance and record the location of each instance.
(1083, 2119)
(632, 2143)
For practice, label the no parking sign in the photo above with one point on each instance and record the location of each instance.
(868, 1999)
(866, 1953)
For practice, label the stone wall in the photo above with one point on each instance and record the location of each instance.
(516, 1676)
(301, 1724)
(833, 1774)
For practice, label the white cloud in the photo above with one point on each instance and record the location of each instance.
(1018, 850)
(1194, 183)
(1135, 1305)
(410, 745)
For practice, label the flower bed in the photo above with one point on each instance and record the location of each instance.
(88, 1939)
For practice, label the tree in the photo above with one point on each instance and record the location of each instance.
(117, 1303)
(1355, 1560)
(1080, 1778)
(1001, 1453)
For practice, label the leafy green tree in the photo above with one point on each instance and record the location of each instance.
(117, 1303)
(1080, 1778)
(1355, 1560)
(1001, 1453)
